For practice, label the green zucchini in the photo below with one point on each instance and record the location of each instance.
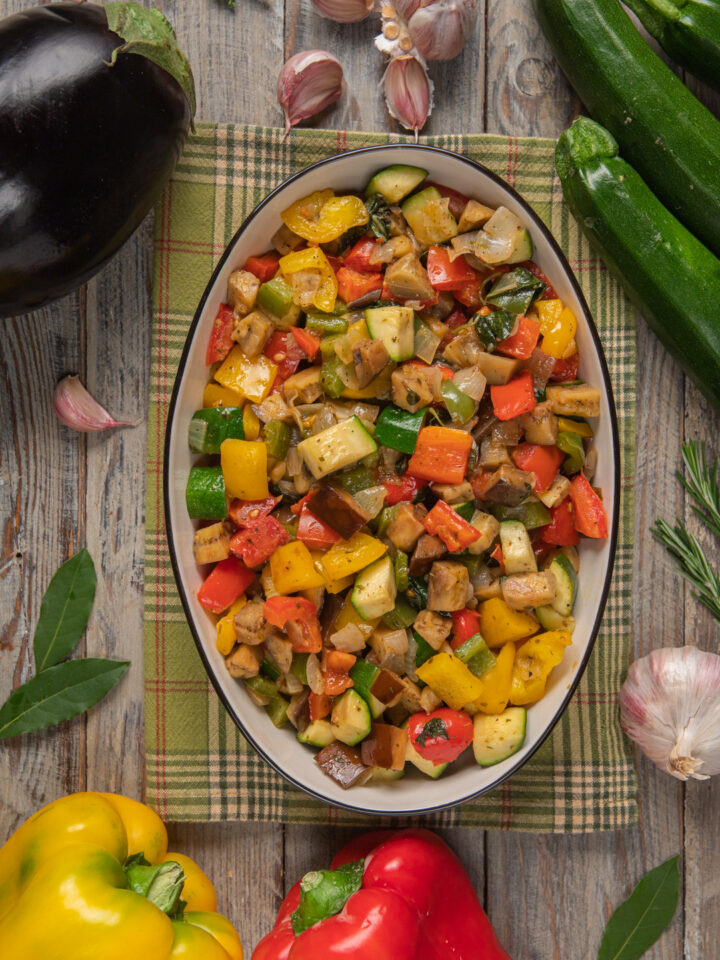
(673, 280)
(670, 138)
(687, 30)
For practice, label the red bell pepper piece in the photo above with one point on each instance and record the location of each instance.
(543, 461)
(264, 267)
(402, 489)
(285, 351)
(243, 512)
(497, 556)
(561, 530)
(565, 371)
(446, 372)
(521, 343)
(308, 342)
(335, 666)
(441, 454)
(456, 319)
(228, 580)
(319, 706)
(454, 531)
(514, 398)
(469, 294)
(466, 623)
(258, 540)
(590, 518)
(220, 343)
(278, 610)
(458, 201)
(440, 736)
(314, 533)
(415, 903)
(446, 274)
(549, 291)
(353, 284)
(359, 257)
(541, 550)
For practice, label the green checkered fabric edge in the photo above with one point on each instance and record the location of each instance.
(199, 767)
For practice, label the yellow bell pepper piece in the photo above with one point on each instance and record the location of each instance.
(496, 682)
(215, 395)
(244, 467)
(332, 586)
(322, 217)
(450, 679)
(349, 556)
(313, 258)
(226, 628)
(349, 614)
(534, 662)
(251, 424)
(252, 379)
(558, 326)
(574, 426)
(499, 623)
(292, 569)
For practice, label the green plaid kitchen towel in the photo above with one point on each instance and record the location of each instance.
(198, 764)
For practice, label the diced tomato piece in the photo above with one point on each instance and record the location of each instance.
(590, 518)
(278, 610)
(440, 736)
(352, 284)
(243, 512)
(220, 343)
(543, 461)
(320, 706)
(541, 549)
(454, 531)
(565, 371)
(521, 343)
(549, 291)
(335, 666)
(314, 533)
(561, 530)
(469, 294)
(304, 635)
(359, 257)
(466, 623)
(228, 580)
(497, 556)
(402, 489)
(514, 398)
(258, 540)
(285, 351)
(446, 274)
(441, 455)
(308, 342)
(456, 319)
(458, 201)
(264, 267)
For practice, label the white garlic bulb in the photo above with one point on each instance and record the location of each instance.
(670, 706)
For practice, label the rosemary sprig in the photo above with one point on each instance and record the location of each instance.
(691, 562)
(702, 484)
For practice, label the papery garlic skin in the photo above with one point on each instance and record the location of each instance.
(79, 410)
(308, 83)
(408, 92)
(344, 11)
(406, 8)
(670, 706)
(439, 28)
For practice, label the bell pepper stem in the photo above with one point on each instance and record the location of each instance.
(323, 893)
(161, 885)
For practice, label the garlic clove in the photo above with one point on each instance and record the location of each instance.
(344, 11)
(439, 28)
(308, 83)
(404, 8)
(408, 92)
(80, 411)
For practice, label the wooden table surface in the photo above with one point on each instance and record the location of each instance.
(548, 896)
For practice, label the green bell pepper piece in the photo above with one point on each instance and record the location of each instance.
(276, 297)
(476, 655)
(359, 478)
(205, 494)
(263, 687)
(329, 377)
(208, 428)
(385, 518)
(277, 438)
(325, 324)
(402, 617)
(277, 711)
(459, 405)
(398, 429)
(466, 510)
(572, 444)
(298, 667)
(532, 514)
(402, 580)
(269, 669)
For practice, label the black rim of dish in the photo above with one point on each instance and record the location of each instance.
(541, 228)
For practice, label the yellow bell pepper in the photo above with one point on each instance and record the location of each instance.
(574, 426)
(313, 258)
(226, 628)
(499, 623)
(332, 586)
(251, 424)
(215, 395)
(343, 346)
(322, 217)
(252, 379)
(558, 326)
(349, 614)
(349, 556)
(377, 388)
(292, 568)
(496, 682)
(244, 467)
(450, 679)
(88, 877)
(534, 662)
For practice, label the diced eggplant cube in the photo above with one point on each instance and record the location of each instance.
(387, 688)
(448, 586)
(343, 764)
(406, 527)
(339, 510)
(385, 747)
(433, 628)
(427, 550)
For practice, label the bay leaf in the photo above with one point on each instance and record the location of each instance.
(65, 610)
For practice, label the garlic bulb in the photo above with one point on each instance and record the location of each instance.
(80, 411)
(439, 28)
(408, 92)
(670, 706)
(344, 11)
(308, 83)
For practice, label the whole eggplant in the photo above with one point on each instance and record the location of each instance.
(91, 127)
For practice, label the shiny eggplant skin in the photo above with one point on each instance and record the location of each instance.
(85, 148)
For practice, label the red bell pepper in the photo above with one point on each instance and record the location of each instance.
(308, 342)
(314, 533)
(243, 512)
(402, 489)
(440, 736)
(445, 274)
(590, 516)
(497, 556)
(454, 531)
(264, 267)
(284, 351)
(458, 201)
(354, 284)
(335, 666)
(446, 372)
(521, 343)
(220, 343)
(228, 580)
(469, 294)
(278, 610)
(389, 896)
(359, 257)
(543, 461)
(257, 541)
(441, 454)
(561, 530)
(319, 706)
(466, 623)
(515, 397)
(565, 371)
(549, 291)
(297, 507)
